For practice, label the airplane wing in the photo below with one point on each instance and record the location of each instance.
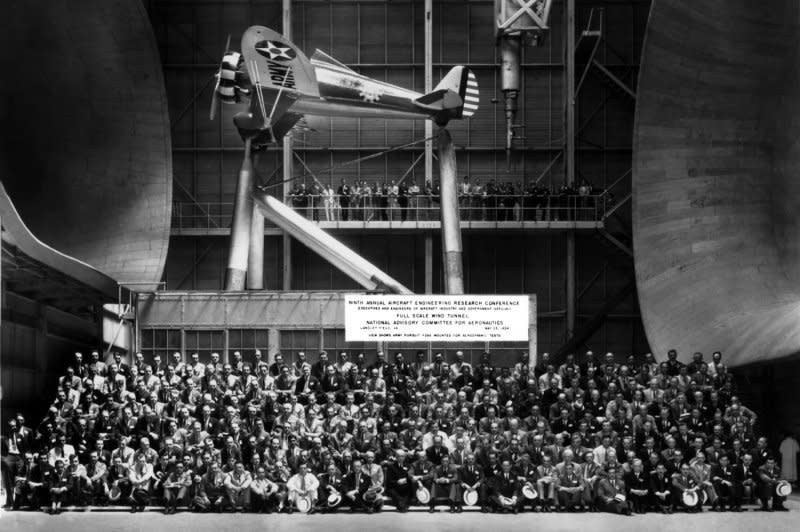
(278, 62)
(321, 58)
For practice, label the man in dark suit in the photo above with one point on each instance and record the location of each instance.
(743, 481)
(331, 382)
(399, 484)
(403, 367)
(607, 490)
(319, 367)
(122, 368)
(471, 477)
(761, 452)
(149, 425)
(722, 478)
(275, 367)
(15, 443)
(684, 481)
(446, 486)
(570, 488)
(638, 488)
(355, 484)
(661, 489)
(306, 385)
(437, 451)
(505, 489)
(768, 476)
(330, 482)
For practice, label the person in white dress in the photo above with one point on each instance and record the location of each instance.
(789, 449)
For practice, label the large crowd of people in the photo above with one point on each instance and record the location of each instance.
(490, 201)
(340, 434)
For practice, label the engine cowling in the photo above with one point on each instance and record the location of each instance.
(233, 79)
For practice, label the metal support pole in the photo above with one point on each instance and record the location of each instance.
(288, 164)
(569, 159)
(428, 263)
(511, 54)
(569, 92)
(255, 259)
(240, 229)
(428, 87)
(570, 295)
(451, 227)
(533, 355)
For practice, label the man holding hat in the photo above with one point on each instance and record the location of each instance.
(399, 484)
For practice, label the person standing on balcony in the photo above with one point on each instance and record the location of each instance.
(344, 200)
(464, 190)
(393, 191)
(584, 190)
(328, 203)
(518, 191)
(366, 201)
(436, 192)
(491, 201)
(413, 201)
(402, 201)
(426, 202)
(381, 201)
(476, 201)
(317, 198)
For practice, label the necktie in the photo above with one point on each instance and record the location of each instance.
(358, 480)
(303, 483)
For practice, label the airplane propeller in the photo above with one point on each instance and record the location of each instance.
(215, 95)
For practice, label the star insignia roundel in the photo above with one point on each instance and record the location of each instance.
(275, 50)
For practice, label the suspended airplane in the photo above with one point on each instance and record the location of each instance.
(284, 87)
(288, 91)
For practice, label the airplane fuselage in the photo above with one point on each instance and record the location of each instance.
(343, 92)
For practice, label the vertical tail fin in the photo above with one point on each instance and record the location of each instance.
(461, 82)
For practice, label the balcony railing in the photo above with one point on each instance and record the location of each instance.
(411, 211)
(323, 208)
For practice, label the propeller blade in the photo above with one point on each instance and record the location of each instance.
(214, 102)
(212, 113)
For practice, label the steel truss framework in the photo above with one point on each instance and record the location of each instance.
(583, 134)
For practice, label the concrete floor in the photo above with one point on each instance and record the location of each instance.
(152, 521)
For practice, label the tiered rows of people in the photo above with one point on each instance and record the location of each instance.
(597, 436)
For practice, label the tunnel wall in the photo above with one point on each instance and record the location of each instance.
(715, 187)
(86, 149)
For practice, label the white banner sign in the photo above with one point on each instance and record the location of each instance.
(435, 318)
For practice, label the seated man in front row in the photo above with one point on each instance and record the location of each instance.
(608, 491)
(446, 486)
(661, 489)
(399, 484)
(638, 486)
(302, 484)
(506, 489)
(355, 484)
(570, 489)
(768, 476)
